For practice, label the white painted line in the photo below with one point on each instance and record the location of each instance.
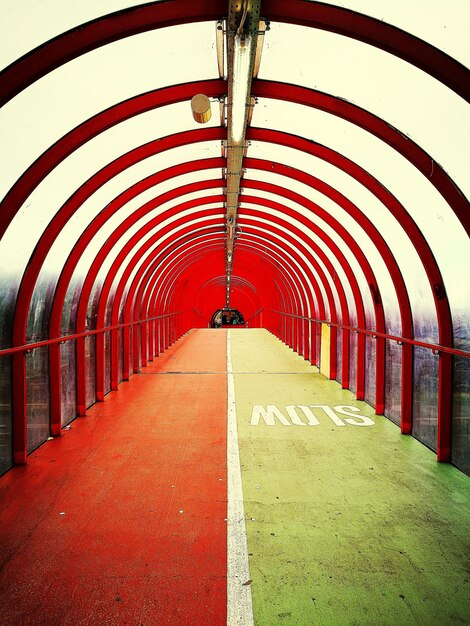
(239, 602)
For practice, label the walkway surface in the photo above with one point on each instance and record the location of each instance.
(123, 520)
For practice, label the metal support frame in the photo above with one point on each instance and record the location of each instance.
(139, 19)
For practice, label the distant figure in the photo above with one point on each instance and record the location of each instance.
(227, 317)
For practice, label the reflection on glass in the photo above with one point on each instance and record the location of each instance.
(37, 397)
(120, 355)
(393, 359)
(90, 351)
(6, 446)
(425, 396)
(370, 370)
(461, 417)
(353, 362)
(68, 380)
(107, 362)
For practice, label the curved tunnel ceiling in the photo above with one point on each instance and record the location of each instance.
(353, 205)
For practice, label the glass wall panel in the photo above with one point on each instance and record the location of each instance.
(353, 361)
(339, 355)
(6, 432)
(108, 314)
(107, 362)
(69, 311)
(8, 289)
(122, 306)
(153, 345)
(461, 395)
(120, 354)
(92, 311)
(370, 370)
(131, 350)
(68, 373)
(393, 361)
(461, 415)
(90, 351)
(425, 396)
(138, 346)
(39, 311)
(37, 397)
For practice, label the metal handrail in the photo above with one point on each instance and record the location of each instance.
(436, 348)
(254, 315)
(47, 342)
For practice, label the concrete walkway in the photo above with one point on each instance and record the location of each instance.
(348, 521)
(123, 520)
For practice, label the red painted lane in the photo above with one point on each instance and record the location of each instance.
(122, 520)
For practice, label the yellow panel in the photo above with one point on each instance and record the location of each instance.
(325, 350)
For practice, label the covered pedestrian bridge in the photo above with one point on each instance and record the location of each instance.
(183, 182)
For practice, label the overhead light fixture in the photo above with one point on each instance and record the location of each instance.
(262, 28)
(240, 85)
(220, 47)
(201, 108)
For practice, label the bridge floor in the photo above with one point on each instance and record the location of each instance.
(124, 519)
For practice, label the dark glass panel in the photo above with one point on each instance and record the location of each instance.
(37, 397)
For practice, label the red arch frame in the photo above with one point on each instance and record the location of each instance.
(407, 46)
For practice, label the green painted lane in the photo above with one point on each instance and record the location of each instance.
(346, 523)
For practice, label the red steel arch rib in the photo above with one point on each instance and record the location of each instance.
(139, 19)
(136, 259)
(369, 228)
(62, 148)
(378, 127)
(321, 254)
(126, 195)
(298, 285)
(184, 229)
(365, 267)
(101, 122)
(92, 273)
(424, 252)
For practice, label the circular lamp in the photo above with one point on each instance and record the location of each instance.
(201, 108)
